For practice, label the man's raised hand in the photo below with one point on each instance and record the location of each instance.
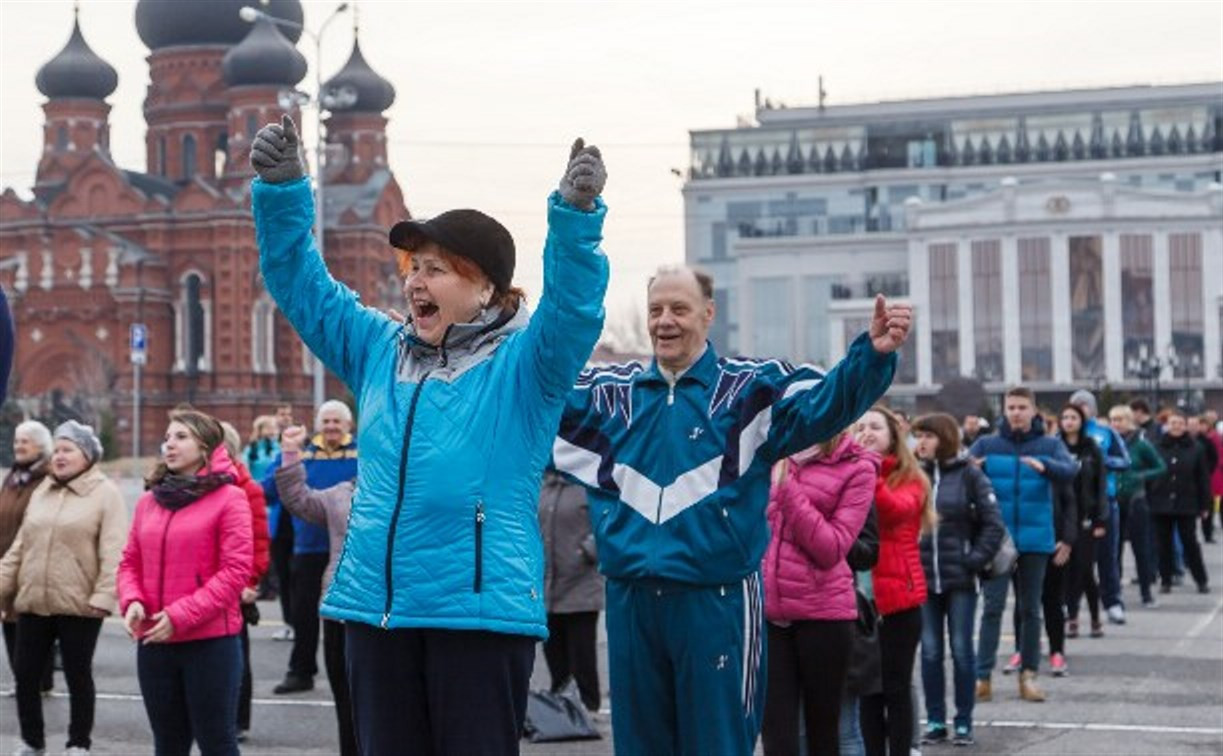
(585, 176)
(276, 152)
(890, 325)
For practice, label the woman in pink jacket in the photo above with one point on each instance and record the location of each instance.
(186, 562)
(819, 500)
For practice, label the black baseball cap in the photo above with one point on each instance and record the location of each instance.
(468, 233)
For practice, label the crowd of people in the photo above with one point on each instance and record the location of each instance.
(771, 545)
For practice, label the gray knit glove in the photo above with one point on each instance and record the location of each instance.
(276, 152)
(585, 176)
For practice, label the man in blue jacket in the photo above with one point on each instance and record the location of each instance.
(329, 458)
(1116, 459)
(676, 455)
(1023, 464)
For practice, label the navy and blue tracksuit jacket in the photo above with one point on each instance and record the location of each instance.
(1116, 453)
(324, 469)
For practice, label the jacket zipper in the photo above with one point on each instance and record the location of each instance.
(403, 470)
(479, 578)
(1015, 535)
(938, 578)
(161, 587)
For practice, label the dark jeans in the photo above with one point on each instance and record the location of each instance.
(10, 648)
(308, 572)
(282, 563)
(956, 612)
(337, 676)
(245, 688)
(190, 692)
(1081, 577)
(1106, 559)
(1030, 577)
(887, 717)
(78, 637)
(807, 664)
(570, 652)
(1053, 601)
(424, 691)
(1165, 526)
(1138, 532)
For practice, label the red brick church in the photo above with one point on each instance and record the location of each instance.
(100, 247)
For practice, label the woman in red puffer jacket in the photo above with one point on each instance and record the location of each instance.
(819, 500)
(902, 503)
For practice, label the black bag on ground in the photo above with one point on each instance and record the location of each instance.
(553, 717)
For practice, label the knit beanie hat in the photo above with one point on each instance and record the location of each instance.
(83, 436)
(1085, 398)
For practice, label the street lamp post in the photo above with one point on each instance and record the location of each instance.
(345, 96)
(1148, 367)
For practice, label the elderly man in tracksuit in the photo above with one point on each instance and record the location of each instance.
(1116, 459)
(677, 455)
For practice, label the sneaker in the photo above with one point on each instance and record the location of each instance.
(76, 751)
(1057, 662)
(935, 733)
(1150, 603)
(1013, 664)
(283, 634)
(294, 684)
(1165, 588)
(1097, 629)
(29, 750)
(963, 736)
(1072, 628)
(1116, 614)
(1203, 588)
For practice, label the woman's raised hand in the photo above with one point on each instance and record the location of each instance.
(293, 438)
(276, 153)
(585, 176)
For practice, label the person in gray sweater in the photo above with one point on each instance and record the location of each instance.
(328, 508)
(573, 588)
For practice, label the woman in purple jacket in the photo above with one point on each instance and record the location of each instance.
(819, 500)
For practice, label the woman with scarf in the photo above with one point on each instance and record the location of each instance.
(187, 559)
(965, 538)
(31, 462)
(819, 501)
(902, 502)
(59, 577)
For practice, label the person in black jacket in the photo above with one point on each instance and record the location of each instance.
(1198, 428)
(865, 674)
(1178, 499)
(1090, 494)
(965, 538)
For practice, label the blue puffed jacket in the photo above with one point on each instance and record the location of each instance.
(679, 473)
(1024, 495)
(443, 531)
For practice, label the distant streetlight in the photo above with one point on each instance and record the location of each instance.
(341, 97)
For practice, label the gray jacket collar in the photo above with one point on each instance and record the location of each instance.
(463, 345)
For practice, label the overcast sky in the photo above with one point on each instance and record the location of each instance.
(489, 95)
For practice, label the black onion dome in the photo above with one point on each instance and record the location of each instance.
(374, 93)
(77, 71)
(265, 56)
(169, 23)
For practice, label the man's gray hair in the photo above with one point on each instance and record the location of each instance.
(38, 433)
(332, 405)
(704, 281)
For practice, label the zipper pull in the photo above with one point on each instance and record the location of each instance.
(480, 511)
(671, 395)
(386, 617)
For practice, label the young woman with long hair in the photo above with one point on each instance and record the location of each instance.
(903, 504)
(187, 559)
(964, 539)
(818, 503)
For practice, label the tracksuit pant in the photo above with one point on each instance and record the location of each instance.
(687, 665)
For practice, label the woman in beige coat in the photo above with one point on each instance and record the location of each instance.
(59, 578)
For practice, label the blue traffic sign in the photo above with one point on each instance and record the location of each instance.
(139, 337)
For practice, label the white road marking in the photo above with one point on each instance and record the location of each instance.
(1099, 727)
